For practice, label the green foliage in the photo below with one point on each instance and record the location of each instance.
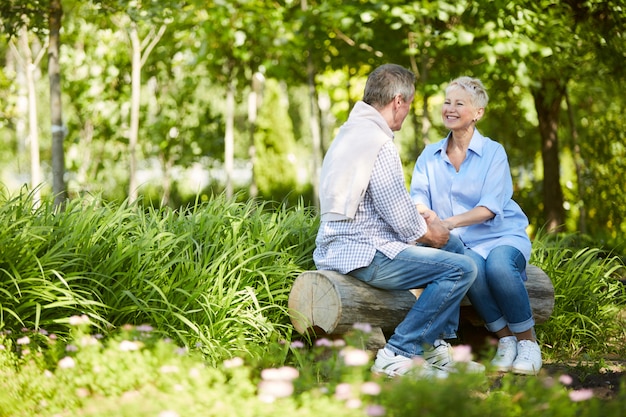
(589, 298)
(216, 276)
(276, 163)
(133, 372)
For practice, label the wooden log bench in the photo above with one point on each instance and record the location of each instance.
(323, 303)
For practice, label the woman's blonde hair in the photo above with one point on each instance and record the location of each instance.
(474, 87)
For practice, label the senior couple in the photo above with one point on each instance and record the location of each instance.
(457, 232)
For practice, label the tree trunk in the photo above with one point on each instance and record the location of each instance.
(314, 120)
(548, 99)
(254, 102)
(139, 55)
(29, 66)
(56, 113)
(229, 139)
(316, 138)
(578, 164)
(135, 101)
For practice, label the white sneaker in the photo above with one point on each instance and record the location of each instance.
(528, 360)
(398, 365)
(506, 354)
(440, 357)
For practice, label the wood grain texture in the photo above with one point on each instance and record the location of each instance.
(333, 302)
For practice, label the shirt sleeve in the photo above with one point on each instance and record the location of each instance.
(420, 189)
(498, 185)
(391, 198)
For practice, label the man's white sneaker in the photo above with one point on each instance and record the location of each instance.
(528, 360)
(398, 365)
(506, 354)
(440, 357)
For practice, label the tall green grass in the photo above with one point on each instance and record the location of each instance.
(590, 299)
(216, 276)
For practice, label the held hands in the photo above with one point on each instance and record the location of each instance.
(448, 224)
(428, 214)
(438, 233)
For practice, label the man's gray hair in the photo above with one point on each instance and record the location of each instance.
(386, 82)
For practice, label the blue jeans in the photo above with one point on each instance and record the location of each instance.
(499, 294)
(445, 277)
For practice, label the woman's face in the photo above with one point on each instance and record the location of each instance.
(458, 112)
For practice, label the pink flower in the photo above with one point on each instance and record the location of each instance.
(78, 320)
(370, 388)
(285, 373)
(353, 403)
(271, 390)
(23, 340)
(581, 395)
(364, 327)
(323, 342)
(145, 328)
(67, 363)
(82, 392)
(343, 391)
(233, 363)
(566, 379)
(462, 353)
(127, 346)
(169, 369)
(355, 357)
(297, 344)
(418, 360)
(375, 410)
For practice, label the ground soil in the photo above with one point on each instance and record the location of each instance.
(605, 382)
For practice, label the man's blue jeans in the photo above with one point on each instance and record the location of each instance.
(499, 294)
(445, 277)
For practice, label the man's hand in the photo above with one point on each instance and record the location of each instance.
(437, 234)
(427, 213)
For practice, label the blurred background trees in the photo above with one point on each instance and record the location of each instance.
(243, 97)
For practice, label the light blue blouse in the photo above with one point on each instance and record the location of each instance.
(484, 179)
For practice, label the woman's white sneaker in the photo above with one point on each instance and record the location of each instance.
(528, 360)
(506, 354)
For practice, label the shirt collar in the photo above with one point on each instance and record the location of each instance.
(476, 144)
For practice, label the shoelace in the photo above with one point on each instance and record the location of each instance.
(524, 351)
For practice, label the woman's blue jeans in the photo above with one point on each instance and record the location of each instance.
(445, 277)
(499, 294)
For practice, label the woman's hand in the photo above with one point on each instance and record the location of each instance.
(448, 224)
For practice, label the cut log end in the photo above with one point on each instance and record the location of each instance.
(314, 302)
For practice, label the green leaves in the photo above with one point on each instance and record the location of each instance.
(588, 298)
(216, 276)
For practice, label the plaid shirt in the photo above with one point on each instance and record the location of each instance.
(386, 220)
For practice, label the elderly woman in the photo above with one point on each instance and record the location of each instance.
(465, 179)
